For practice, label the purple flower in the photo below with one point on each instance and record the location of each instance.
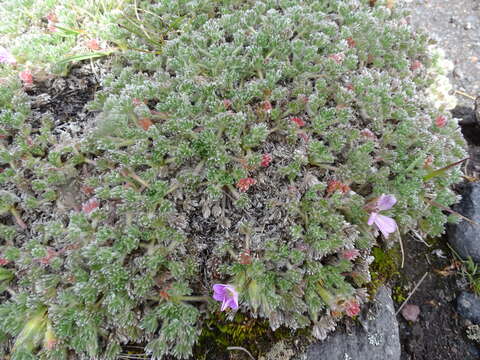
(385, 224)
(227, 295)
(6, 57)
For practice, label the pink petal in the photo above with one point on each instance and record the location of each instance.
(219, 292)
(6, 57)
(385, 224)
(386, 202)
(233, 303)
(372, 218)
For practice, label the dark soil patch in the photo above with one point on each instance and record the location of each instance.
(439, 332)
(64, 99)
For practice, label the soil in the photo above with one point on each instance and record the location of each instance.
(439, 333)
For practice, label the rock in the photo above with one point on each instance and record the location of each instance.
(468, 306)
(465, 236)
(376, 339)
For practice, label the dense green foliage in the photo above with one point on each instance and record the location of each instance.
(159, 214)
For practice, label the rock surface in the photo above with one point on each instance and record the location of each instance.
(376, 339)
(468, 306)
(465, 236)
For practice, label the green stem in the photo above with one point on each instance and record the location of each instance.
(194, 298)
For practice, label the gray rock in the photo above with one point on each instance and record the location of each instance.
(468, 306)
(465, 236)
(376, 339)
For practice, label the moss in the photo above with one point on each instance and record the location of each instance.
(255, 335)
(384, 267)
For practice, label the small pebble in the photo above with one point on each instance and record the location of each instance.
(410, 312)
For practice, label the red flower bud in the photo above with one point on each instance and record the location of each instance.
(89, 206)
(26, 76)
(298, 121)
(441, 121)
(245, 183)
(266, 160)
(415, 65)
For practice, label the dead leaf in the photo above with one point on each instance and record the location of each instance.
(145, 123)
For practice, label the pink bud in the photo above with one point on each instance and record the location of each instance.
(338, 57)
(52, 17)
(50, 255)
(245, 183)
(267, 106)
(441, 121)
(350, 254)
(352, 307)
(415, 65)
(90, 206)
(368, 133)
(92, 44)
(266, 160)
(227, 103)
(26, 76)
(4, 261)
(298, 121)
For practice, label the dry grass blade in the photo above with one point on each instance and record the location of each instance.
(442, 170)
(411, 293)
(465, 94)
(440, 206)
(230, 348)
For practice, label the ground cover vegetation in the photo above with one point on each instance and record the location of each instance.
(244, 156)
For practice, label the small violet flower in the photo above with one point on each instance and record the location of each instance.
(227, 295)
(6, 56)
(385, 224)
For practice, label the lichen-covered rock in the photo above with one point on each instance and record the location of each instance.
(468, 306)
(375, 339)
